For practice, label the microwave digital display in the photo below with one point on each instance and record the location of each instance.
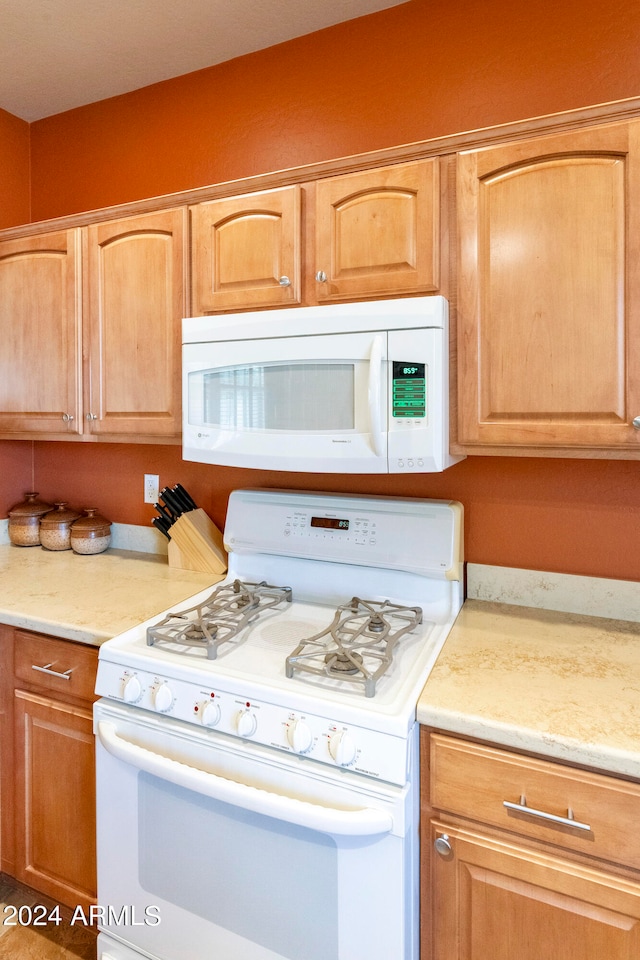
(409, 389)
(330, 523)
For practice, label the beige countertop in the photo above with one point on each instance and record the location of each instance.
(563, 685)
(88, 598)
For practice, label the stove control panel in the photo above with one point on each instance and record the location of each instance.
(218, 711)
(419, 536)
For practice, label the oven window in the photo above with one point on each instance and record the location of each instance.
(279, 396)
(272, 883)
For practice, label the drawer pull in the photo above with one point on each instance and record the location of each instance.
(567, 821)
(53, 673)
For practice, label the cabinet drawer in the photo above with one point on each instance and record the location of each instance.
(39, 659)
(475, 781)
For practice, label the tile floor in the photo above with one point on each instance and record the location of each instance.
(46, 940)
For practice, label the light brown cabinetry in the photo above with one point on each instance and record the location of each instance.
(555, 874)
(549, 294)
(52, 794)
(134, 306)
(377, 233)
(246, 251)
(370, 234)
(97, 355)
(41, 331)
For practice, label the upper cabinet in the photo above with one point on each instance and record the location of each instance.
(371, 234)
(246, 251)
(91, 326)
(40, 317)
(546, 315)
(549, 298)
(378, 233)
(135, 301)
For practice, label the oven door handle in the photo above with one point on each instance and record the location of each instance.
(364, 822)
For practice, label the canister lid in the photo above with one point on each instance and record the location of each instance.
(91, 525)
(30, 507)
(61, 515)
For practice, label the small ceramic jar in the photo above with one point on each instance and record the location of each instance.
(91, 533)
(55, 527)
(24, 521)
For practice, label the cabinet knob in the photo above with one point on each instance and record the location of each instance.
(321, 276)
(284, 282)
(443, 846)
(90, 416)
(67, 417)
(636, 423)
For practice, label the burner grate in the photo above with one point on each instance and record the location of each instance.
(358, 646)
(218, 619)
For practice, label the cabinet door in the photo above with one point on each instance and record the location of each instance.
(246, 251)
(41, 353)
(135, 304)
(496, 899)
(377, 233)
(55, 798)
(549, 329)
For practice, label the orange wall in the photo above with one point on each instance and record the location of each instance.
(16, 472)
(571, 516)
(419, 70)
(14, 167)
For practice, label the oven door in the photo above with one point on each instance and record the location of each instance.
(214, 847)
(309, 403)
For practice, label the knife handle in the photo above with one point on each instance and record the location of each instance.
(164, 513)
(159, 524)
(185, 506)
(168, 498)
(188, 499)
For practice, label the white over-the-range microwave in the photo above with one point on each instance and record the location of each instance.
(347, 388)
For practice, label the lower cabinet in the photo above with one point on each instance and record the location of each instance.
(54, 767)
(554, 874)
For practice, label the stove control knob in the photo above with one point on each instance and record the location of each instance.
(162, 697)
(209, 713)
(246, 723)
(131, 688)
(342, 748)
(299, 736)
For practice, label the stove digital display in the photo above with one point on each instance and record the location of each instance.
(329, 523)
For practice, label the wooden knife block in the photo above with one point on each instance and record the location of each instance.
(196, 544)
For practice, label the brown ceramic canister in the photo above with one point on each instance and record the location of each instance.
(24, 520)
(91, 533)
(55, 527)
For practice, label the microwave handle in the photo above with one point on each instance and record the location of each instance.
(364, 822)
(375, 386)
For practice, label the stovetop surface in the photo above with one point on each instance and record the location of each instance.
(255, 661)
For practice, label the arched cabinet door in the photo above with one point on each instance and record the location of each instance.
(377, 233)
(135, 302)
(246, 251)
(40, 360)
(549, 296)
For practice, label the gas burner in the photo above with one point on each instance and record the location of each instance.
(219, 618)
(358, 645)
(343, 664)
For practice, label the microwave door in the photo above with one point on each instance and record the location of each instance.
(311, 403)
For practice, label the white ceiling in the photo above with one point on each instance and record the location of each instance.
(60, 54)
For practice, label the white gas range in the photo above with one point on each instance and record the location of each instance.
(287, 694)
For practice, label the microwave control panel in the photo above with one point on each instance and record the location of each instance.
(409, 390)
